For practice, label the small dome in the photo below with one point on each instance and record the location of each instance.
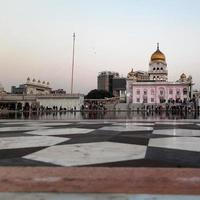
(47, 83)
(130, 74)
(183, 76)
(33, 80)
(38, 81)
(158, 55)
(43, 82)
(28, 79)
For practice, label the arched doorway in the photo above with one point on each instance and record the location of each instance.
(19, 106)
(26, 106)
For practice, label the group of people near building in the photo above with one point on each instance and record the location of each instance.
(93, 105)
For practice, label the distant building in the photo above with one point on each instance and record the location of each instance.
(18, 90)
(153, 87)
(138, 75)
(119, 88)
(105, 80)
(2, 89)
(41, 102)
(32, 88)
(58, 91)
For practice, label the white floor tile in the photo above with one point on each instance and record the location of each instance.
(89, 153)
(181, 143)
(29, 141)
(177, 132)
(126, 128)
(61, 131)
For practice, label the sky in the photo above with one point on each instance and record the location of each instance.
(114, 35)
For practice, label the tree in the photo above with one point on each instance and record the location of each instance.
(98, 94)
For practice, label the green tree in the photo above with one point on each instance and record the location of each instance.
(98, 94)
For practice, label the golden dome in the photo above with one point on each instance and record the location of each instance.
(158, 55)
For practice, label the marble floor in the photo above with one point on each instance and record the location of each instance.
(100, 143)
(81, 196)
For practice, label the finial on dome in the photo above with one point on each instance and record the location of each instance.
(157, 45)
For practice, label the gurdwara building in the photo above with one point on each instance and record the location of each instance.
(153, 87)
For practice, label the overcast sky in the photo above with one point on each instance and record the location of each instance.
(116, 35)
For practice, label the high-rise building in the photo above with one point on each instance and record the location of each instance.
(105, 80)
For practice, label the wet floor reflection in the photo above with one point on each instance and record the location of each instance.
(99, 115)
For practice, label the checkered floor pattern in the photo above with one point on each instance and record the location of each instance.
(100, 143)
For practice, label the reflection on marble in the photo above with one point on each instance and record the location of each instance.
(182, 143)
(126, 128)
(133, 124)
(37, 124)
(173, 123)
(32, 141)
(95, 122)
(89, 153)
(14, 129)
(178, 132)
(15, 123)
(92, 196)
(61, 131)
(54, 124)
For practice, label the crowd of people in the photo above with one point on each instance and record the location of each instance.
(93, 105)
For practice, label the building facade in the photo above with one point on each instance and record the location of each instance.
(38, 96)
(154, 87)
(32, 88)
(41, 102)
(105, 80)
(119, 88)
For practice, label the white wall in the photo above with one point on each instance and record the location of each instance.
(65, 102)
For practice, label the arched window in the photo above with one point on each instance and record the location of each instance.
(152, 92)
(157, 68)
(161, 68)
(154, 77)
(154, 69)
(185, 91)
(161, 91)
(178, 91)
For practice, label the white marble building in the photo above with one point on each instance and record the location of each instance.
(156, 88)
(37, 87)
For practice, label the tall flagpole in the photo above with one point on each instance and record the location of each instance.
(73, 54)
